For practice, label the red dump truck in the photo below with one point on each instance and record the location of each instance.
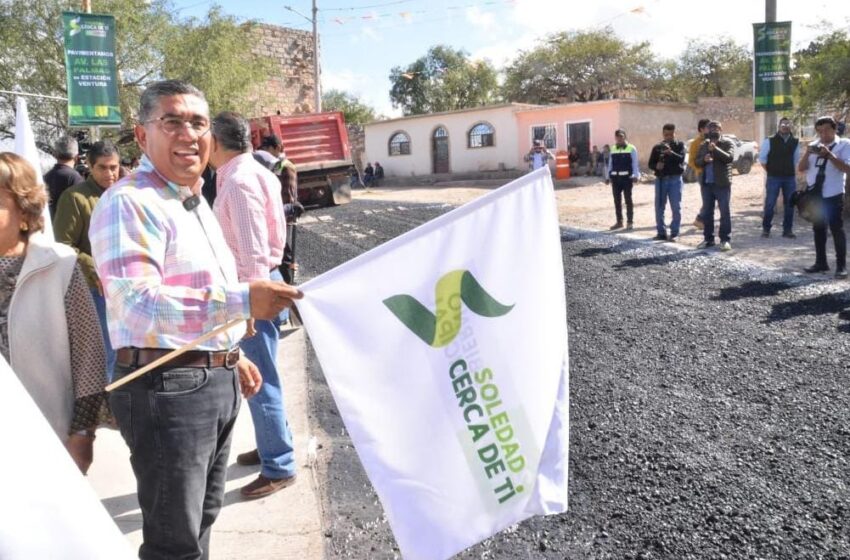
(317, 143)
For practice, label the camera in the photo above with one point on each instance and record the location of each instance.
(813, 148)
(713, 136)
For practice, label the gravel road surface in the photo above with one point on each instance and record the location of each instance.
(709, 405)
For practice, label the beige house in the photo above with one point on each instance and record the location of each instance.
(469, 140)
(496, 138)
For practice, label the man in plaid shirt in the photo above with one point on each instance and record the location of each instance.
(168, 278)
(249, 208)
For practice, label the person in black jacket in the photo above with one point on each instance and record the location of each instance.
(63, 174)
(715, 157)
(667, 159)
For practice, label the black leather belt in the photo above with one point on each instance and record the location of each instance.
(138, 357)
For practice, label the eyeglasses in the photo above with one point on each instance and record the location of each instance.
(172, 125)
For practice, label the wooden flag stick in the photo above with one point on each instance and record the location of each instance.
(173, 354)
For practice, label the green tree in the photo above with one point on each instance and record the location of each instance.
(445, 79)
(581, 66)
(32, 57)
(354, 110)
(823, 73)
(215, 56)
(720, 68)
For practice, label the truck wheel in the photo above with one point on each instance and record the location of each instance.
(745, 166)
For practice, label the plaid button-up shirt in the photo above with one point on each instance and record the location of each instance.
(249, 208)
(167, 273)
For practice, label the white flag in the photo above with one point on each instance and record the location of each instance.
(47, 508)
(25, 147)
(446, 352)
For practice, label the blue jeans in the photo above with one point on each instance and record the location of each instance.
(774, 185)
(100, 305)
(178, 423)
(712, 194)
(668, 188)
(271, 430)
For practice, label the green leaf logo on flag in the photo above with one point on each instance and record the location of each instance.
(440, 328)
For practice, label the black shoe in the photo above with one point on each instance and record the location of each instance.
(673, 238)
(789, 235)
(660, 237)
(815, 268)
(841, 273)
(765, 233)
(618, 225)
(630, 226)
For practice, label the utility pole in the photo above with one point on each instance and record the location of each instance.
(316, 77)
(94, 131)
(769, 116)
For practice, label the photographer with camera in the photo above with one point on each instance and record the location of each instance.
(779, 156)
(667, 160)
(826, 165)
(715, 156)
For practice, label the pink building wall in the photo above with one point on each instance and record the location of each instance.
(603, 116)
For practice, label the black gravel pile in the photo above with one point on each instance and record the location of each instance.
(710, 407)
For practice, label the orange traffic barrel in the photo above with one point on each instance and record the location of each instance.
(562, 164)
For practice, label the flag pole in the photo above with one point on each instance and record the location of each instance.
(173, 354)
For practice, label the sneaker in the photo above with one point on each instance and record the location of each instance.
(618, 225)
(660, 237)
(698, 223)
(630, 226)
(789, 235)
(841, 273)
(262, 486)
(725, 246)
(673, 238)
(815, 268)
(765, 233)
(705, 245)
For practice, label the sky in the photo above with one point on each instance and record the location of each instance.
(362, 40)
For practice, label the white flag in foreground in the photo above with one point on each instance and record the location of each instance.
(47, 508)
(26, 148)
(446, 352)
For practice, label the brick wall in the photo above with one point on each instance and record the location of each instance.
(291, 89)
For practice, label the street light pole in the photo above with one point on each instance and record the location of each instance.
(95, 131)
(316, 77)
(769, 116)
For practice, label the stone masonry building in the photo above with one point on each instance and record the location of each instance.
(291, 89)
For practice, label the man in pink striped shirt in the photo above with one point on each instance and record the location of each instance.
(249, 208)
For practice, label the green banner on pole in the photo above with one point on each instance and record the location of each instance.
(91, 73)
(772, 66)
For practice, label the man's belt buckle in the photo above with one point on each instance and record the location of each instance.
(231, 358)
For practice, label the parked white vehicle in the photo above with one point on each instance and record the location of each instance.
(745, 152)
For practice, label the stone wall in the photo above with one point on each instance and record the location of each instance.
(357, 144)
(291, 89)
(736, 114)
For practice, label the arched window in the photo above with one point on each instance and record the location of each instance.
(400, 144)
(482, 135)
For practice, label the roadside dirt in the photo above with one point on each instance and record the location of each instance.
(586, 203)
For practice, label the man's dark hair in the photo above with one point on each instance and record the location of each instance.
(702, 123)
(166, 88)
(826, 120)
(784, 119)
(232, 131)
(65, 149)
(669, 126)
(715, 124)
(271, 141)
(620, 132)
(103, 148)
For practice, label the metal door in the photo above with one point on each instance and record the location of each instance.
(578, 135)
(440, 150)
